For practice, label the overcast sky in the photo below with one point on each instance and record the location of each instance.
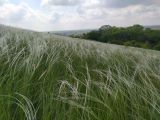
(51, 15)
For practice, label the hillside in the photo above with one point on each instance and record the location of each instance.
(72, 32)
(154, 27)
(136, 36)
(49, 77)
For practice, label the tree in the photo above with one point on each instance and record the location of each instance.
(135, 35)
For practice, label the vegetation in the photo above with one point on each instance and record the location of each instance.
(47, 77)
(136, 36)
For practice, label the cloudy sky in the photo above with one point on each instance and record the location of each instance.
(51, 15)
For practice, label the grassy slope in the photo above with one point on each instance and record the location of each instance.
(47, 77)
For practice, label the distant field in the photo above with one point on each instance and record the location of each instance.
(154, 27)
(50, 77)
(72, 32)
(79, 32)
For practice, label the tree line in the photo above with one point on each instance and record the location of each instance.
(136, 36)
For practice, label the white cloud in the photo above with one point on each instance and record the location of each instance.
(85, 14)
(61, 2)
(3, 1)
(22, 15)
(102, 3)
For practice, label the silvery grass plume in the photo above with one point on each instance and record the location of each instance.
(75, 79)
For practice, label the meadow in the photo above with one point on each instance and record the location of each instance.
(49, 77)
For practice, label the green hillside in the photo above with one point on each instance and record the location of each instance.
(49, 77)
(135, 36)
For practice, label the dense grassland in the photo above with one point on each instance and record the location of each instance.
(47, 77)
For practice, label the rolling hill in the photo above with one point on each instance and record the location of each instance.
(49, 77)
(80, 32)
(72, 32)
(154, 27)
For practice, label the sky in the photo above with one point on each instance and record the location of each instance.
(55, 15)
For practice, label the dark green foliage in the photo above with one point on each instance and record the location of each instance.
(136, 36)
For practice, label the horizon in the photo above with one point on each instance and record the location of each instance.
(68, 15)
(74, 29)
